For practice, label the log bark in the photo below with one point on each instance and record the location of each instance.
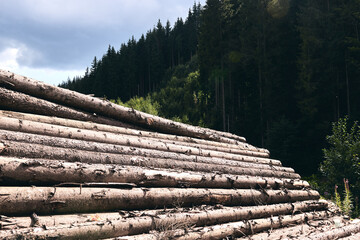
(12, 223)
(353, 236)
(105, 108)
(51, 172)
(242, 148)
(20, 149)
(335, 233)
(58, 200)
(234, 229)
(21, 102)
(104, 137)
(151, 220)
(296, 231)
(118, 149)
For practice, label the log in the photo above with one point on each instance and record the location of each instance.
(51, 172)
(59, 200)
(233, 229)
(105, 108)
(90, 135)
(335, 233)
(21, 149)
(114, 225)
(297, 231)
(21, 102)
(242, 148)
(353, 236)
(12, 223)
(118, 149)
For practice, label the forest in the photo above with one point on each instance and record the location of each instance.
(278, 72)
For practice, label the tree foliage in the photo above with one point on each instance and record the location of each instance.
(277, 72)
(142, 104)
(342, 158)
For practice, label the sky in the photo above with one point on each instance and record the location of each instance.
(51, 40)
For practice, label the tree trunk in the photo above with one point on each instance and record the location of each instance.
(90, 135)
(21, 102)
(115, 225)
(51, 172)
(59, 200)
(335, 233)
(17, 149)
(105, 108)
(118, 149)
(233, 229)
(241, 148)
(12, 223)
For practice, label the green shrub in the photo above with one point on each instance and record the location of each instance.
(342, 157)
(141, 104)
(341, 164)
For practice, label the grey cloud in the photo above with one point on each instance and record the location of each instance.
(67, 34)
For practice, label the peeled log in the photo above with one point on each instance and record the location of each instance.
(117, 226)
(90, 135)
(20, 149)
(105, 108)
(59, 200)
(242, 148)
(50, 172)
(119, 149)
(25, 103)
(233, 229)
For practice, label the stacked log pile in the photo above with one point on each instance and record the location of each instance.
(73, 166)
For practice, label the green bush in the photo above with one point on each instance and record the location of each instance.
(342, 157)
(142, 104)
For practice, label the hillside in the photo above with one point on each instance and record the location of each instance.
(276, 72)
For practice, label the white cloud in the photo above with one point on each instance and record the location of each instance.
(49, 75)
(13, 50)
(91, 13)
(53, 39)
(9, 60)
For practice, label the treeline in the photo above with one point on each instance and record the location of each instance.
(139, 66)
(275, 71)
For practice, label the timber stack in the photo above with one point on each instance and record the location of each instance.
(74, 166)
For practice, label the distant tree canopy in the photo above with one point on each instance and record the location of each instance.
(275, 71)
(139, 66)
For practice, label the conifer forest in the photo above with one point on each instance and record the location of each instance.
(278, 72)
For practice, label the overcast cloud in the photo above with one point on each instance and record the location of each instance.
(50, 40)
